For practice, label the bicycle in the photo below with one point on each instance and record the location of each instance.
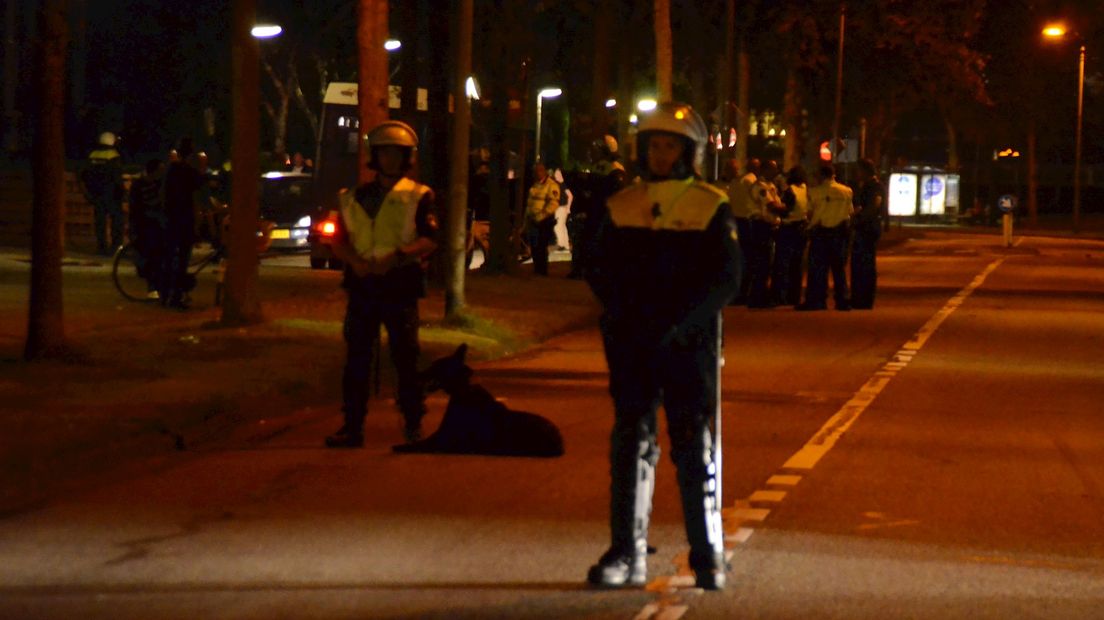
(129, 270)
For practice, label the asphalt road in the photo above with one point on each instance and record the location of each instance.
(941, 456)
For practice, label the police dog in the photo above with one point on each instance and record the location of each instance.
(476, 423)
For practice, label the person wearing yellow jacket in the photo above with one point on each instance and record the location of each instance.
(830, 212)
(666, 263)
(386, 230)
(540, 211)
(102, 182)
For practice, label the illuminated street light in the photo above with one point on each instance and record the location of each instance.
(547, 93)
(392, 45)
(646, 105)
(1058, 31)
(471, 87)
(266, 31)
(611, 103)
(1054, 31)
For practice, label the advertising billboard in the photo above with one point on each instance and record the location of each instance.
(933, 194)
(902, 194)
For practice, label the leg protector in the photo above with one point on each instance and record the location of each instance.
(632, 484)
(697, 478)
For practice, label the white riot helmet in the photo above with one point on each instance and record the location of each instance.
(392, 133)
(107, 139)
(681, 120)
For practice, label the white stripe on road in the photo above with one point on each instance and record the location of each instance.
(742, 517)
(815, 449)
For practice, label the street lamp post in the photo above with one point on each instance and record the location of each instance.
(1057, 31)
(547, 93)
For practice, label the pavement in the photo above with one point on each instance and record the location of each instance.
(144, 381)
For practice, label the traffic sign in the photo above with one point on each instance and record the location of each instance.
(1007, 203)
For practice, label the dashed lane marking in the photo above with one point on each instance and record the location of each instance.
(742, 516)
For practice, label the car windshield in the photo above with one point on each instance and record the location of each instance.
(286, 198)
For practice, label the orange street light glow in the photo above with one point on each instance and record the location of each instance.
(1054, 31)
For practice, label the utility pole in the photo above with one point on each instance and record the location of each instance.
(45, 327)
(839, 85)
(241, 305)
(372, 74)
(663, 50)
(456, 234)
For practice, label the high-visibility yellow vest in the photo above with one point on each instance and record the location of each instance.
(393, 227)
(800, 211)
(544, 199)
(685, 204)
(830, 204)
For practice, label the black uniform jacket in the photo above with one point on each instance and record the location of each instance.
(667, 262)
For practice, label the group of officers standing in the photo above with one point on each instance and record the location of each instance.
(663, 256)
(782, 216)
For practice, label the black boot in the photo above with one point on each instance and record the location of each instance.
(697, 484)
(620, 567)
(709, 572)
(632, 468)
(344, 439)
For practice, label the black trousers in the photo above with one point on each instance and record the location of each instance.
(684, 379)
(743, 229)
(366, 312)
(103, 208)
(758, 258)
(540, 235)
(788, 266)
(864, 268)
(828, 252)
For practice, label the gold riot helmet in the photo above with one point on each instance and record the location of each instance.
(681, 120)
(392, 133)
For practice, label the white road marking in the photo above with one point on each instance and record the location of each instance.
(783, 480)
(824, 439)
(670, 605)
(767, 496)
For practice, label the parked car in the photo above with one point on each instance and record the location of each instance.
(288, 201)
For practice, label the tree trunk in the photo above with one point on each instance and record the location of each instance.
(372, 29)
(241, 304)
(664, 54)
(1032, 174)
(45, 325)
(456, 235)
(279, 114)
(724, 84)
(600, 89)
(743, 85)
(952, 145)
(625, 95)
(791, 121)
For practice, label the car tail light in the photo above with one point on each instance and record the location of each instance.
(327, 228)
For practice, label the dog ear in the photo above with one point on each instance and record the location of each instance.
(461, 352)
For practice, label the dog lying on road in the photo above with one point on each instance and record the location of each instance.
(476, 423)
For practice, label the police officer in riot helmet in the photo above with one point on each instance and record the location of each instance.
(386, 230)
(667, 262)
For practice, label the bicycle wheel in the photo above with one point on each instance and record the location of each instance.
(125, 274)
(202, 253)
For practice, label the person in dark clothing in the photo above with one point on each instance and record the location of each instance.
(386, 231)
(148, 223)
(102, 182)
(869, 213)
(667, 262)
(789, 246)
(589, 207)
(182, 181)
